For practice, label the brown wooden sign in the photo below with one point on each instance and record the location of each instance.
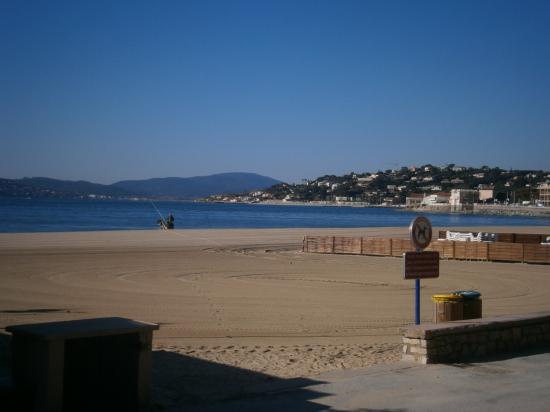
(420, 265)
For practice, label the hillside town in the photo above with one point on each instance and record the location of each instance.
(450, 188)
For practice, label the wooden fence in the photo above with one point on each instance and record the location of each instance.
(496, 251)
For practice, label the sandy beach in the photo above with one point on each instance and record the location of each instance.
(243, 303)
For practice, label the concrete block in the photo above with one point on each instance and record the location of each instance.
(411, 341)
(408, 358)
(418, 349)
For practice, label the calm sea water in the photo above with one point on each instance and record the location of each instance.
(45, 215)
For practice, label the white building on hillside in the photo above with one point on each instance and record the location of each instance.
(341, 199)
(544, 194)
(436, 199)
(414, 200)
(463, 199)
(486, 192)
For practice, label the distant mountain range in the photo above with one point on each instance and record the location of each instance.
(162, 188)
(199, 186)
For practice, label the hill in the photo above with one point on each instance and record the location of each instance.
(43, 187)
(199, 186)
(166, 188)
(392, 187)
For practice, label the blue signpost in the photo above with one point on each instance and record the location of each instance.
(420, 264)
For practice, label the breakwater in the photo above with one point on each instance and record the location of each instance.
(489, 210)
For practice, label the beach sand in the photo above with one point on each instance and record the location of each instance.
(242, 308)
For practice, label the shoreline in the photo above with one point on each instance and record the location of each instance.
(478, 209)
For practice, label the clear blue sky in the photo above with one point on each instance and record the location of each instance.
(110, 90)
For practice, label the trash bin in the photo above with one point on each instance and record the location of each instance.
(472, 303)
(448, 307)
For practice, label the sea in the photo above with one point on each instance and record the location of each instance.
(55, 215)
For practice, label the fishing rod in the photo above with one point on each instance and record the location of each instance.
(158, 211)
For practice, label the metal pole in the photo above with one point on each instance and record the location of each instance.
(417, 301)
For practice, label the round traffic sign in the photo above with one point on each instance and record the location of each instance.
(421, 232)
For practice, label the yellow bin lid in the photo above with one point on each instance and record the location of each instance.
(447, 297)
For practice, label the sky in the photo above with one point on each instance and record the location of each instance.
(105, 91)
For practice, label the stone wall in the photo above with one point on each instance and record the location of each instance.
(466, 339)
(481, 209)
(446, 208)
(511, 210)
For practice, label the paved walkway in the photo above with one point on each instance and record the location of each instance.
(514, 384)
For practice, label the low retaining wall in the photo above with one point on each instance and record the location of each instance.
(511, 210)
(497, 251)
(463, 340)
(481, 209)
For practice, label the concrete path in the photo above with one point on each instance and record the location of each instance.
(516, 384)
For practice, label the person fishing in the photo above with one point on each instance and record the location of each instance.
(170, 221)
(167, 223)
